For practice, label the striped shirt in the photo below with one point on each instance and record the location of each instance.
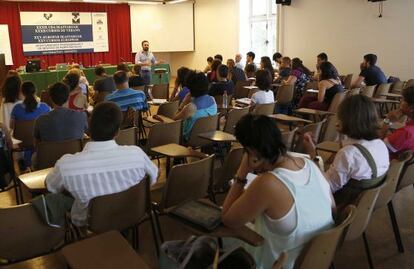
(126, 98)
(101, 168)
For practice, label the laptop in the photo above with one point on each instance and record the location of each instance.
(62, 67)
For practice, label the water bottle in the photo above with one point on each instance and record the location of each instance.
(150, 93)
(225, 99)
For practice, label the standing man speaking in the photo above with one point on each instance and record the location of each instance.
(145, 59)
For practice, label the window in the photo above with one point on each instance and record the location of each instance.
(258, 27)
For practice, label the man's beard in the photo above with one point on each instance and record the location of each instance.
(146, 49)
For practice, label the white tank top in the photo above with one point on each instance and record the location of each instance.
(312, 212)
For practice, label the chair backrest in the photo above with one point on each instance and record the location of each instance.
(219, 99)
(320, 251)
(163, 133)
(391, 181)
(24, 235)
(160, 91)
(229, 169)
(233, 118)
(45, 98)
(240, 91)
(284, 94)
(251, 92)
(348, 81)
(288, 138)
(336, 101)
(264, 109)
(202, 125)
(382, 89)
(314, 128)
(330, 133)
(407, 175)
(100, 97)
(368, 90)
(397, 86)
(187, 182)
(23, 130)
(365, 205)
(168, 109)
(121, 210)
(127, 137)
(409, 83)
(49, 152)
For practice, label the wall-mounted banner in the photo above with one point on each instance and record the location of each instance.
(63, 32)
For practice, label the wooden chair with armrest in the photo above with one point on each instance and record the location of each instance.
(127, 137)
(163, 134)
(202, 125)
(264, 109)
(48, 153)
(314, 128)
(168, 109)
(233, 118)
(240, 91)
(368, 91)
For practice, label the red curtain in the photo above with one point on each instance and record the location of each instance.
(119, 32)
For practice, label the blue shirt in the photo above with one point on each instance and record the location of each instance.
(206, 106)
(143, 57)
(184, 91)
(19, 111)
(373, 75)
(126, 98)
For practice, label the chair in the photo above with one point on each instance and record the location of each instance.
(348, 81)
(397, 87)
(382, 89)
(219, 99)
(202, 125)
(314, 128)
(365, 205)
(233, 118)
(185, 182)
(100, 97)
(168, 109)
(251, 92)
(320, 251)
(284, 95)
(225, 173)
(23, 130)
(163, 134)
(24, 235)
(240, 91)
(288, 137)
(330, 132)
(333, 107)
(160, 91)
(368, 90)
(388, 191)
(264, 109)
(122, 210)
(127, 137)
(407, 175)
(49, 152)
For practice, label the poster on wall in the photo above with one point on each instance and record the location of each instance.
(5, 43)
(63, 32)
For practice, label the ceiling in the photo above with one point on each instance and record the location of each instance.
(106, 1)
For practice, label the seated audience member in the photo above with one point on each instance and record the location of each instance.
(136, 70)
(124, 67)
(299, 76)
(264, 95)
(289, 201)
(403, 138)
(250, 59)
(370, 73)
(100, 72)
(238, 62)
(11, 96)
(77, 100)
(180, 81)
(284, 69)
(235, 73)
(103, 167)
(61, 123)
(200, 105)
(136, 82)
(105, 84)
(212, 75)
(266, 64)
(363, 161)
(250, 70)
(6, 143)
(277, 58)
(329, 85)
(126, 97)
(209, 63)
(321, 58)
(218, 57)
(222, 85)
(83, 81)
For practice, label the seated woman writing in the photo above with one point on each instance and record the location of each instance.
(362, 162)
(197, 104)
(329, 85)
(289, 200)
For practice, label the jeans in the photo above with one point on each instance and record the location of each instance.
(146, 75)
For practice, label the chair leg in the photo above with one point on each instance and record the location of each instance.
(157, 223)
(154, 234)
(332, 266)
(395, 227)
(368, 252)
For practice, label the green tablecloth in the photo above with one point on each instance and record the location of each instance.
(43, 79)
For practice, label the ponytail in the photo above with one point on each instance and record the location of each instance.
(29, 90)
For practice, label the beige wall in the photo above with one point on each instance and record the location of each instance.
(216, 31)
(348, 29)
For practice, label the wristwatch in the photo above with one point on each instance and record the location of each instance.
(241, 181)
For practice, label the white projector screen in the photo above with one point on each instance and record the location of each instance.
(168, 28)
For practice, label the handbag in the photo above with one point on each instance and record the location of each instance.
(202, 253)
